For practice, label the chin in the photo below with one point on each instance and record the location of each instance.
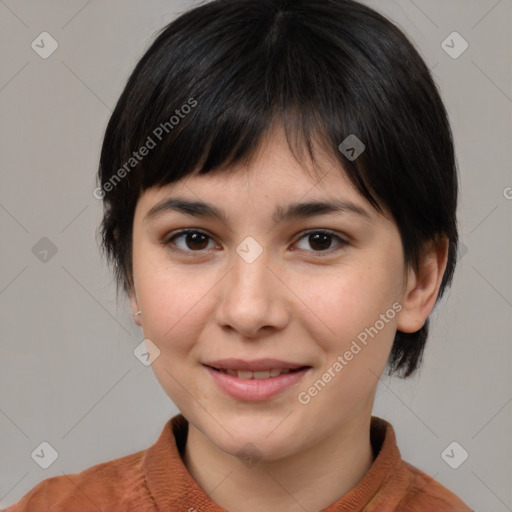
(255, 444)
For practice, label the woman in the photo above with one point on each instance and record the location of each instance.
(280, 188)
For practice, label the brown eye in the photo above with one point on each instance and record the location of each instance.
(193, 241)
(320, 241)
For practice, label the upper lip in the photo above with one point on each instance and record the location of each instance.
(254, 365)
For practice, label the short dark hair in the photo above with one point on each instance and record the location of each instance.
(219, 76)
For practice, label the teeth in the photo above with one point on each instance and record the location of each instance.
(265, 374)
(262, 374)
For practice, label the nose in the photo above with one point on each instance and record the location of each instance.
(253, 299)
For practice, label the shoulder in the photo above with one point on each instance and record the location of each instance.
(426, 494)
(107, 486)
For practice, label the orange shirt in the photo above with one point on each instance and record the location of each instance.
(156, 479)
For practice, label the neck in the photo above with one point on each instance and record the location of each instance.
(311, 480)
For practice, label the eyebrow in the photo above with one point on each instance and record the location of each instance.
(288, 212)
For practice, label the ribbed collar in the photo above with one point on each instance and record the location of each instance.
(174, 489)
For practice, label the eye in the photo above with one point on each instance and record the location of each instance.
(321, 240)
(193, 240)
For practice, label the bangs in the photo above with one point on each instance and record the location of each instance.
(215, 113)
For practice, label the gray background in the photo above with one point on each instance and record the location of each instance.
(68, 375)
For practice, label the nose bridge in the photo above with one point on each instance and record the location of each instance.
(252, 297)
(250, 274)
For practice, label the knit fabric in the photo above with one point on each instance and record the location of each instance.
(156, 480)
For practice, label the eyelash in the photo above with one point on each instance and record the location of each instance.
(320, 254)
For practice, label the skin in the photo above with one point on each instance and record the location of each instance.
(207, 303)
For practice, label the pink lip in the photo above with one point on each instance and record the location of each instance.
(254, 365)
(255, 389)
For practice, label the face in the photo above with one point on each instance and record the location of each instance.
(321, 291)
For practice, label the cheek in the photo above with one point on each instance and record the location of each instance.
(172, 299)
(354, 325)
(341, 305)
(173, 307)
(174, 313)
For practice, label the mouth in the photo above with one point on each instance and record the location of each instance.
(255, 380)
(270, 373)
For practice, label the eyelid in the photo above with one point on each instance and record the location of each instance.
(182, 232)
(343, 241)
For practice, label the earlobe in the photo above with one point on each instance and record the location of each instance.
(134, 306)
(422, 287)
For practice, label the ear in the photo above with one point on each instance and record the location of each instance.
(134, 306)
(422, 287)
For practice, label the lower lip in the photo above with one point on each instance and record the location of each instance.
(255, 389)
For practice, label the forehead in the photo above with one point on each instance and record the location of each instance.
(274, 174)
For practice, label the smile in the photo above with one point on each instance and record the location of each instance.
(260, 375)
(256, 385)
